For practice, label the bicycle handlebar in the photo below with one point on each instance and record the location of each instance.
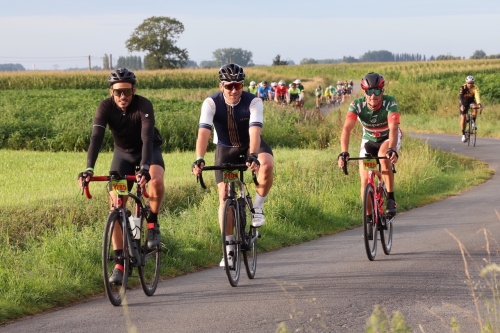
(86, 190)
(344, 168)
(225, 166)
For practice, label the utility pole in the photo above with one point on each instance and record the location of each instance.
(110, 61)
(90, 66)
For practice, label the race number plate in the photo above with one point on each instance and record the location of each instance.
(370, 164)
(230, 176)
(119, 186)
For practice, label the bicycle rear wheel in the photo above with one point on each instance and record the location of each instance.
(250, 242)
(230, 226)
(149, 271)
(369, 227)
(468, 130)
(386, 228)
(114, 291)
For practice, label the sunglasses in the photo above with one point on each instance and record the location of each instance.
(231, 86)
(370, 92)
(126, 91)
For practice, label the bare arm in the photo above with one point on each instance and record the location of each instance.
(344, 138)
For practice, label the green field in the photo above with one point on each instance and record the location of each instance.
(52, 233)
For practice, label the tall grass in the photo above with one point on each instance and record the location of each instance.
(54, 233)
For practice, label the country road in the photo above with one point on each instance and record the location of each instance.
(327, 285)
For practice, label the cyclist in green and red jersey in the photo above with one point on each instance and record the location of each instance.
(379, 116)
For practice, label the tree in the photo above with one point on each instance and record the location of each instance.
(130, 62)
(349, 59)
(478, 54)
(232, 55)
(105, 61)
(191, 64)
(158, 35)
(308, 61)
(278, 62)
(208, 64)
(377, 56)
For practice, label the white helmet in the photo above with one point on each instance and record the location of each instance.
(330, 87)
(469, 78)
(252, 83)
(273, 84)
(282, 83)
(297, 81)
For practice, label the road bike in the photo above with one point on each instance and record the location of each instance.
(237, 221)
(133, 230)
(375, 196)
(471, 129)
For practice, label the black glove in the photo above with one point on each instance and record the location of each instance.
(391, 151)
(85, 174)
(253, 158)
(343, 155)
(144, 173)
(199, 163)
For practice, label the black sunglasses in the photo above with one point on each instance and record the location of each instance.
(125, 91)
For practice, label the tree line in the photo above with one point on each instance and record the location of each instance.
(11, 67)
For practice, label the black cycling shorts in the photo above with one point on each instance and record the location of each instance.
(466, 109)
(294, 97)
(232, 155)
(126, 163)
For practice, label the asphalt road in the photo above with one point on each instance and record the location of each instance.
(327, 285)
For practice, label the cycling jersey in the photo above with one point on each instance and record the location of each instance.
(375, 123)
(281, 90)
(264, 92)
(469, 96)
(301, 87)
(253, 90)
(318, 92)
(328, 92)
(133, 130)
(231, 122)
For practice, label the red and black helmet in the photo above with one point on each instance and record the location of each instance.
(231, 73)
(372, 80)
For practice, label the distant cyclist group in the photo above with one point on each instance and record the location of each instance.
(236, 118)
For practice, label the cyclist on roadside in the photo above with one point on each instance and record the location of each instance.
(237, 117)
(340, 92)
(281, 92)
(319, 96)
(302, 96)
(137, 143)
(264, 91)
(469, 97)
(328, 96)
(379, 116)
(252, 88)
(294, 94)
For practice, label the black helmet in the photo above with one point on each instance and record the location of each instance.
(231, 73)
(121, 75)
(372, 81)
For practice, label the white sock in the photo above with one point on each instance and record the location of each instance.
(229, 248)
(259, 201)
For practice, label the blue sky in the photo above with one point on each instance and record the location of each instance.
(45, 34)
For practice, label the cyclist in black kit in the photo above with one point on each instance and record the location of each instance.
(237, 117)
(136, 144)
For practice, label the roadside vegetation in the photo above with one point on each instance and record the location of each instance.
(50, 232)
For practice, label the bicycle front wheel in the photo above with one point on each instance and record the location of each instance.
(369, 226)
(250, 251)
(386, 228)
(469, 130)
(149, 271)
(115, 291)
(231, 249)
(473, 133)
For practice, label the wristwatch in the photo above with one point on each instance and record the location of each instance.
(145, 167)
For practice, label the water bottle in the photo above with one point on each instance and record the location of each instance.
(135, 226)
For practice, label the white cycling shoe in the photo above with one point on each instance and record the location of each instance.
(229, 261)
(258, 218)
(464, 138)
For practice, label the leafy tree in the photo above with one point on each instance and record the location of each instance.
(278, 62)
(105, 61)
(232, 55)
(208, 64)
(349, 59)
(11, 67)
(130, 62)
(377, 56)
(478, 54)
(308, 61)
(158, 35)
(191, 63)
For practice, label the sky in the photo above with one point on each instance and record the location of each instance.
(61, 34)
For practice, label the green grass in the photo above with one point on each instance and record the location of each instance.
(54, 234)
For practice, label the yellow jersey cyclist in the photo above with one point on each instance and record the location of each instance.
(328, 95)
(469, 97)
(236, 117)
(252, 88)
(379, 116)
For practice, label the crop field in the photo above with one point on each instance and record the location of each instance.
(50, 232)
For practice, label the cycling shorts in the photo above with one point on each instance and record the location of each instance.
(372, 148)
(466, 109)
(126, 163)
(232, 155)
(294, 97)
